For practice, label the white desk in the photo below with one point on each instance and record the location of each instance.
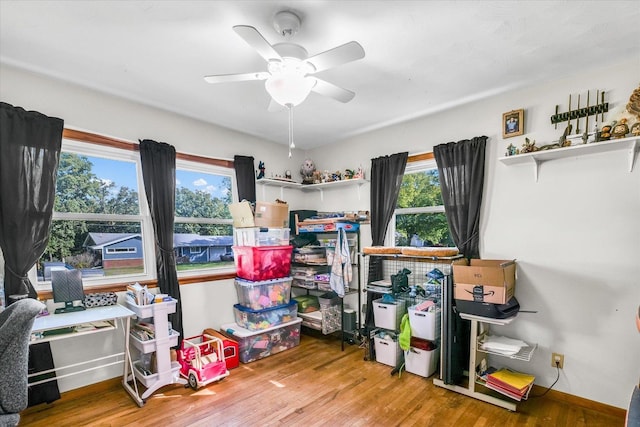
(112, 314)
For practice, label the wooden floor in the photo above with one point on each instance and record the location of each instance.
(314, 384)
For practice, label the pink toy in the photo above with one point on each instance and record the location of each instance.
(201, 360)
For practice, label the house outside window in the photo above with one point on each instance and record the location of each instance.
(419, 219)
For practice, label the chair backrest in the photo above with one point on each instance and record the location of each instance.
(16, 322)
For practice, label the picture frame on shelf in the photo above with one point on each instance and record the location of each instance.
(513, 123)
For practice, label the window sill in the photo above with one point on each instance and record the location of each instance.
(121, 287)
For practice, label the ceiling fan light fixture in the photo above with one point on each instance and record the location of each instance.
(289, 87)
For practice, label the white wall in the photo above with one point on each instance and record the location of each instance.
(575, 233)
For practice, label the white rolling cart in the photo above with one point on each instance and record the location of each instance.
(167, 372)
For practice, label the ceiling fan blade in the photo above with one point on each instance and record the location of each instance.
(226, 78)
(256, 41)
(348, 52)
(332, 91)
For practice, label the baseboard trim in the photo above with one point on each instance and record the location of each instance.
(579, 401)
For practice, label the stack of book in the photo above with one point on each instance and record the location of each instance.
(139, 295)
(515, 385)
(143, 331)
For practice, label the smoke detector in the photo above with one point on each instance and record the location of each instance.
(286, 23)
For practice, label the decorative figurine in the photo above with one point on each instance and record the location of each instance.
(262, 169)
(348, 173)
(605, 134)
(563, 139)
(635, 129)
(621, 129)
(306, 170)
(359, 173)
(528, 146)
(287, 174)
(511, 150)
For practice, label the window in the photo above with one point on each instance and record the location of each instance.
(101, 222)
(419, 218)
(121, 250)
(98, 221)
(203, 227)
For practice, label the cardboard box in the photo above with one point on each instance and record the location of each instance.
(242, 214)
(484, 280)
(272, 215)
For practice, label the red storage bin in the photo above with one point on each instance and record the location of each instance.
(258, 263)
(230, 348)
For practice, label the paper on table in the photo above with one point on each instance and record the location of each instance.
(502, 345)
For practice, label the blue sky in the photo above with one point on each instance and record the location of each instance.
(123, 173)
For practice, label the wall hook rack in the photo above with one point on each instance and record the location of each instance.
(600, 107)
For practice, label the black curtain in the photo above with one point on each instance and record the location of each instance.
(386, 177)
(461, 170)
(159, 175)
(30, 144)
(245, 178)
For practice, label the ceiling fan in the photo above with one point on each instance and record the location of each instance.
(290, 75)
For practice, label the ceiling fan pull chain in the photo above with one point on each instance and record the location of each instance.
(291, 143)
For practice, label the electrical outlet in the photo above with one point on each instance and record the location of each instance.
(559, 358)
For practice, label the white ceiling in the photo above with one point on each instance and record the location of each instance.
(421, 56)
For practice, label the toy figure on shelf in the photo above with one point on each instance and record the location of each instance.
(511, 150)
(605, 134)
(287, 174)
(528, 146)
(348, 173)
(563, 139)
(307, 171)
(262, 169)
(359, 173)
(621, 129)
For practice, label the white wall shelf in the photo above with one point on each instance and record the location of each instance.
(334, 184)
(631, 145)
(269, 182)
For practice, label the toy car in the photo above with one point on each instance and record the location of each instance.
(201, 360)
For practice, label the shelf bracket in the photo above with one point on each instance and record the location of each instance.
(633, 151)
(536, 168)
(321, 194)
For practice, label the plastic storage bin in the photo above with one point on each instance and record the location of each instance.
(256, 320)
(388, 351)
(256, 345)
(256, 236)
(424, 324)
(420, 361)
(263, 294)
(307, 303)
(262, 262)
(230, 348)
(387, 315)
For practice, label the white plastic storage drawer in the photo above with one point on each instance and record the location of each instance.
(388, 351)
(424, 324)
(387, 315)
(421, 362)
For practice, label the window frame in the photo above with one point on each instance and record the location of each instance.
(143, 217)
(91, 144)
(192, 166)
(420, 164)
